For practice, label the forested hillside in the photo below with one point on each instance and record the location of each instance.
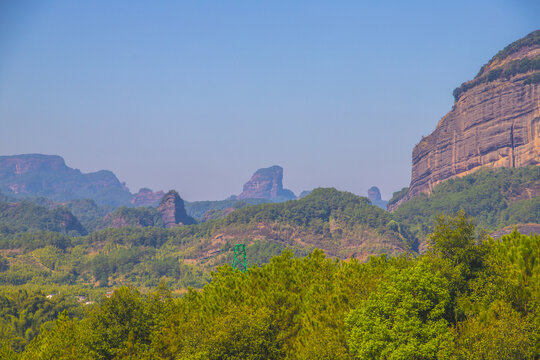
(494, 197)
(27, 216)
(312, 301)
(342, 224)
(469, 297)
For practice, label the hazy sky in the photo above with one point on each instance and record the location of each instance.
(197, 95)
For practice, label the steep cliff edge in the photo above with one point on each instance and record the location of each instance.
(267, 183)
(31, 175)
(495, 121)
(173, 211)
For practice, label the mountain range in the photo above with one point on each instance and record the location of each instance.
(494, 124)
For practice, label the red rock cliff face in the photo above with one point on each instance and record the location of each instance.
(495, 122)
(267, 183)
(173, 211)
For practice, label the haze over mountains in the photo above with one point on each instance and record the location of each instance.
(495, 123)
(31, 175)
(90, 270)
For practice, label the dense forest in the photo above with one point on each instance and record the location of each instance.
(494, 197)
(468, 297)
(330, 276)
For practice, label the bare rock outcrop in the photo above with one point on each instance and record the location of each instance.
(525, 229)
(267, 183)
(374, 195)
(495, 121)
(173, 211)
(146, 197)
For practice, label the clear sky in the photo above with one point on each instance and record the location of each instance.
(197, 95)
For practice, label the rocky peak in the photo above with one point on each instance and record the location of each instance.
(495, 121)
(173, 211)
(146, 197)
(374, 195)
(22, 164)
(267, 183)
(49, 176)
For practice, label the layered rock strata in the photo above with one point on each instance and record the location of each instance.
(495, 121)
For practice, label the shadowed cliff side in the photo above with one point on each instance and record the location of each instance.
(173, 211)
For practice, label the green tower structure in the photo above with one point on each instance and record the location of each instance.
(240, 260)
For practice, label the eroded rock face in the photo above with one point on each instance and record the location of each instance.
(146, 197)
(49, 176)
(173, 211)
(495, 121)
(267, 183)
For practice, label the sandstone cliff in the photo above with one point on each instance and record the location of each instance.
(495, 121)
(146, 197)
(267, 183)
(173, 211)
(49, 176)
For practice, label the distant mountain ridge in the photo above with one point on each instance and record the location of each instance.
(267, 183)
(49, 176)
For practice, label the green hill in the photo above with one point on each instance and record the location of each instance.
(136, 217)
(468, 298)
(27, 216)
(341, 223)
(494, 197)
(198, 209)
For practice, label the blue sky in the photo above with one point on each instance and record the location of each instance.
(197, 95)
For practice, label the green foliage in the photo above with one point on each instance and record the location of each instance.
(23, 313)
(137, 217)
(498, 333)
(122, 319)
(29, 241)
(531, 39)
(465, 299)
(511, 68)
(27, 216)
(198, 209)
(404, 318)
(398, 195)
(62, 341)
(183, 256)
(87, 212)
(454, 239)
(532, 79)
(521, 66)
(491, 196)
(315, 211)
